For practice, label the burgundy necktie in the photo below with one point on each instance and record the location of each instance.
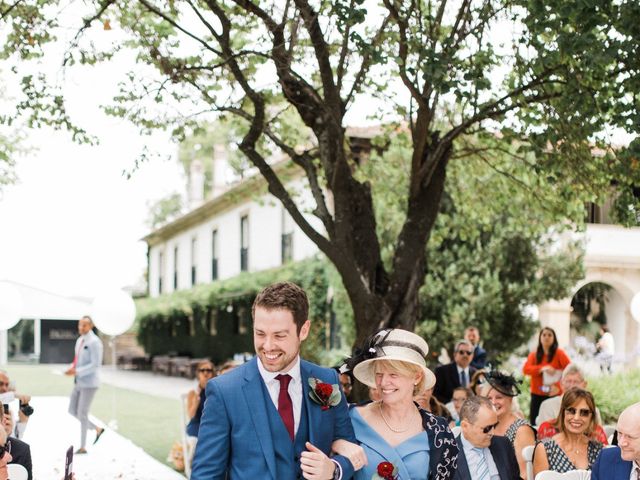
(285, 407)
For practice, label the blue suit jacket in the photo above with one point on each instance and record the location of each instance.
(610, 466)
(235, 441)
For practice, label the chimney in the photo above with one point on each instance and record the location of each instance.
(220, 170)
(196, 184)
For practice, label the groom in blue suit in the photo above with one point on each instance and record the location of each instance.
(617, 463)
(259, 420)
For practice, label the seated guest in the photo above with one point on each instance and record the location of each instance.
(195, 398)
(20, 423)
(573, 447)
(455, 374)
(572, 376)
(472, 334)
(428, 402)
(226, 367)
(20, 451)
(460, 394)
(393, 430)
(501, 392)
(483, 455)
(621, 462)
(478, 381)
(345, 382)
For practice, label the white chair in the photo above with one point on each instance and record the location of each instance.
(609, 430)
(527, 454)
(572, 475)
(17, 472)
(456, 430)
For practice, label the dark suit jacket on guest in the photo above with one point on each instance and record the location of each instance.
(503, 456)
(610, 466)
(447, 380)
(21, 454)
(479, 358)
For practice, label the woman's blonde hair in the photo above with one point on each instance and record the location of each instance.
(406, 369)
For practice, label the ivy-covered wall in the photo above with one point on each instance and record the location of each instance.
(214, 320)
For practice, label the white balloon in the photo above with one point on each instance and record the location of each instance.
(113, 312)
(635, 307)
(10, 306)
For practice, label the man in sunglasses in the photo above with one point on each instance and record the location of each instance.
(621, 462)
(455, 374)
(483, 455)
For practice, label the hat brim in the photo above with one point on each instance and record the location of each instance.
(501, 388)
(365, 371)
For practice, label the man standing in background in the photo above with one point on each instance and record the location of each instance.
(472, 334)
(85, 368)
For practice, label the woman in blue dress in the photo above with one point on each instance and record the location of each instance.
(395, 430)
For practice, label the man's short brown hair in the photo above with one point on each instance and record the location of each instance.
(284, 296)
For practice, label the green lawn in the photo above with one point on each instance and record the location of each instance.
(150, 422)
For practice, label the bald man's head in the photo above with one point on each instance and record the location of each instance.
(629, 433)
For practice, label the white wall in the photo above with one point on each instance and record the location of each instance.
(265, 230)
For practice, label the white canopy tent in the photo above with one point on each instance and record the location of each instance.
(37, 305)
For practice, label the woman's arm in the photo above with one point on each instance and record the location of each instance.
(193, 401)
(530, 367)
(540, 461)
(355, 453)
(524, 438)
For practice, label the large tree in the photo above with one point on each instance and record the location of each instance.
(551, 78)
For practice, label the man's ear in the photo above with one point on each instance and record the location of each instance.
(304, 330)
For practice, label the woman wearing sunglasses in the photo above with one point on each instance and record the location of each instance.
(501, 391)
(195, 398)
(573, 447)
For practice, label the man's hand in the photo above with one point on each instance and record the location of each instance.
(70, 371)
(23, 398)
(315, 464)
(355, 453)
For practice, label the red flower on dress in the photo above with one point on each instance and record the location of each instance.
(385, 471)
(324, 394)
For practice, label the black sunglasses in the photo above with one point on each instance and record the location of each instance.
(488, 428)
(584, 412)
(464, 352)
(205, 370)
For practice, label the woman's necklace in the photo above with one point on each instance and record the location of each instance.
(395, 430)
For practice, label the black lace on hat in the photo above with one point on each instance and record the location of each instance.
(505, 384)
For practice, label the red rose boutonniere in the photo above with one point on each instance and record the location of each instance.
(385, 471)
(324, 394)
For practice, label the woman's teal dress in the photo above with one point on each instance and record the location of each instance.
(411, 457)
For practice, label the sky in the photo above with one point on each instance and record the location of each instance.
(72, 224)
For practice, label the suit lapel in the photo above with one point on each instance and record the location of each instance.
(463, 466)
(319, 428)
(501, 464)
(254, 393)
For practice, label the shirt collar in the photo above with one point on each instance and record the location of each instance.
(294, 372)
(467, 445)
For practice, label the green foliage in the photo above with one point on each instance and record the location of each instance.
(164, 210)
(491, 252)
(614, 393)
(181, 322)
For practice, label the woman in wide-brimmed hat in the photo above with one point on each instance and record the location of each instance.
(501, 391)
(399, 438)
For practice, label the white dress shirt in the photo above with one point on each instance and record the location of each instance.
(466, 374)
(295, 388)
(473, 459)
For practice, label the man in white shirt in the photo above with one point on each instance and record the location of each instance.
(607, 349)
(261, 420)
(483, 455)
(572, 376)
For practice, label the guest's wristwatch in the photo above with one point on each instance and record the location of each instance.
(337, 472)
